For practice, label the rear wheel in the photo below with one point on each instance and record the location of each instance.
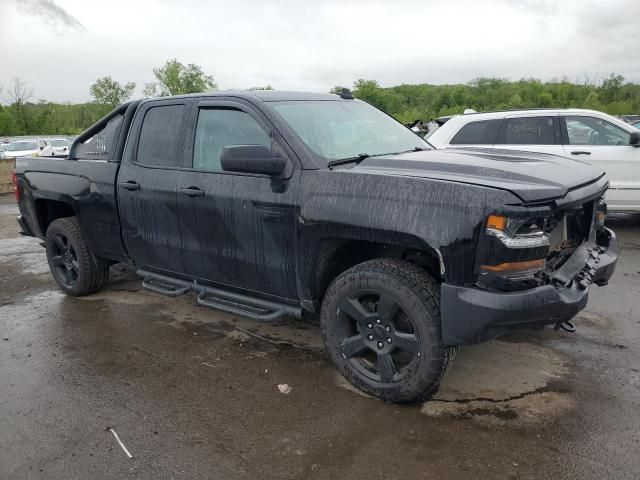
(76, 270)
(381, 324)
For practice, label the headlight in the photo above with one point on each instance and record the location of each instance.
(516, 252)
(518, 232)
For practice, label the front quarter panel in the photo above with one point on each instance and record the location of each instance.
(412, 212)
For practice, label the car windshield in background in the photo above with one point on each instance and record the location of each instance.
(59, 143)
(337, 129)
(21, 146)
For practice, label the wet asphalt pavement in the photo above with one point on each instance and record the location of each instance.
(193, 393)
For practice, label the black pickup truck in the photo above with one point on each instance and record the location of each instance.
(274, 204)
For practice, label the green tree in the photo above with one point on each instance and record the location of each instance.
(611, 87)
(107, 91)
(174, 78)
(516, 100)
(18, 96)
(368, 90)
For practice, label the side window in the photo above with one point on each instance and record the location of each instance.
(102, 145)
(161, 136)
(483, 132)
(222, 127)
(529, 131)
(595, 131)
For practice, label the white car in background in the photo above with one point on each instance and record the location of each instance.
(587, 135)
(26, 147)
(57, 147)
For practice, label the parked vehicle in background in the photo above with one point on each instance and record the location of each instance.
(58, 147)
(26, 147)
(630, 118)
(272, 204)
(587, 135)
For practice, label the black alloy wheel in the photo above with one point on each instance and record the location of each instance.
(64, 260)
(75, 268)
(378, 337)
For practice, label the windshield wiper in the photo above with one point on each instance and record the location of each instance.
(414, 149)
(362, 156)
(344, 161)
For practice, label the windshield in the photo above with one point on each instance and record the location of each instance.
(59, 143)
(343, 129)
(23, 145)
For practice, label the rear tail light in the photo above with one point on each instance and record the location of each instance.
(16, 192)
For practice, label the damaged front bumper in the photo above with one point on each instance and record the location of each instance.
(471, 315)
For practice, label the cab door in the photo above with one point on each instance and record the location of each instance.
(147, 186)
(605, 145)
(237, 229)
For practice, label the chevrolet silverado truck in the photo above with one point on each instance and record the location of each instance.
(275, 204)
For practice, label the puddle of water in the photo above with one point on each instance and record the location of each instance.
(25, 251)
(184, 310)
(498, 383)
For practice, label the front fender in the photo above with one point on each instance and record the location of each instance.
(443, 216)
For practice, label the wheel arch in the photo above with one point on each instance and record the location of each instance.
(49, 209)
(337, 254)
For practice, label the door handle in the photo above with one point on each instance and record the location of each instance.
(580, 152)
(130, 185)
(192, 192)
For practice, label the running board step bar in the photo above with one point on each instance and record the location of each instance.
(224, 300)
(163, 285)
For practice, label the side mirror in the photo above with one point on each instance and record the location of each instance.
(252, 159)
(634, 139)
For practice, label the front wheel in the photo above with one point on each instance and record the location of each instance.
(381, 325)
(76, 270)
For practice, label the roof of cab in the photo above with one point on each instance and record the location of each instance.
(263, 95)
(278, 96)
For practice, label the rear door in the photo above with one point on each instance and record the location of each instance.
(237, 229)
(477, 133)
(147, 185)
(531, 133)
(602, 143)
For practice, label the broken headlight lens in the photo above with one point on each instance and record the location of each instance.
(518, 232)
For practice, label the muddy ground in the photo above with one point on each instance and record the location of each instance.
(193, 393)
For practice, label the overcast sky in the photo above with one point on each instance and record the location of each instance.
(60, 47)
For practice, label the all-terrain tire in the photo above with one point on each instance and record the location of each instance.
(418, 298)
(64, 241)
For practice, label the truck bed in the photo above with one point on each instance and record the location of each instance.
(86, 185)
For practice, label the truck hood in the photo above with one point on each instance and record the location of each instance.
(530, 176)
